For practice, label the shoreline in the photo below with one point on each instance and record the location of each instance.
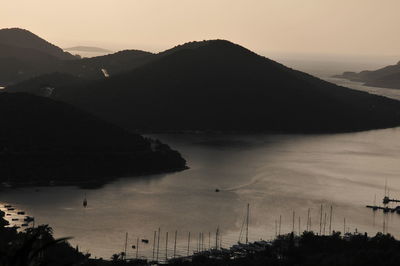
(95, 183)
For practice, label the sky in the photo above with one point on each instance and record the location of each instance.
(331, 27)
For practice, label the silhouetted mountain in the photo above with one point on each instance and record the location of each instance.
(387, 77)
(88, 49)
(24, 55)
(42, 140)
(217, 85)
(26, 39)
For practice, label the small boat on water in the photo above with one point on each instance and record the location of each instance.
(85, 201)
(29, 219)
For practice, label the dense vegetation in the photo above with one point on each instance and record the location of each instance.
(34, 247)
(312, 250)
(43, 141)
(387, 77)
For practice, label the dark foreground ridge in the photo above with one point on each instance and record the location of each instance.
(311, 250)
(36, 246)
(44, 142)
(386, 77)
(214, 85)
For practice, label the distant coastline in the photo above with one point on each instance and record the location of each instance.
(386, 77)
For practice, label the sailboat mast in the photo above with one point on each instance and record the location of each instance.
(137, 248)
(176, 235)
(280, 223)
(299, 225)
(158, 243)
(293, 222)
(216, 238)
(320, 222)
(166, 247)
(247, 223)
(126, 243)
(330, 221)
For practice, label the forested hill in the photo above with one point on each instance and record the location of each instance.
(42, 141)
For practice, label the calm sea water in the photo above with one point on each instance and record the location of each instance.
(276, 174)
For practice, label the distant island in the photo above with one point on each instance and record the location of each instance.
(88, 49)
(46, 142)
(387, 77)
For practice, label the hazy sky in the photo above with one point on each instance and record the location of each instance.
(284, 26)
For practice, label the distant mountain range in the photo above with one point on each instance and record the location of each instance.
(210, 85)
(387, 77)
(44, 141)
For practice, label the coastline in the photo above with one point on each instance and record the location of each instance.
(93, 183)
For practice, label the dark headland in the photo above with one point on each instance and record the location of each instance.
(212, 86)
(46, 142)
